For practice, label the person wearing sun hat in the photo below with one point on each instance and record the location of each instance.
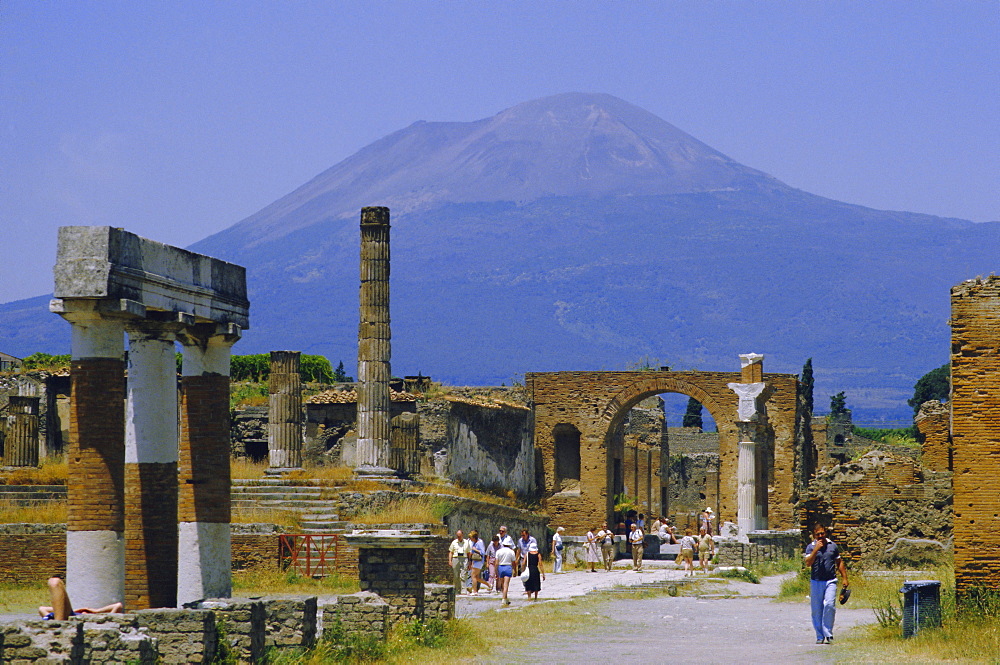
(536, 572)
(706, 520)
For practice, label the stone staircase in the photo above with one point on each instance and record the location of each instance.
(27, 494)
(316, 514)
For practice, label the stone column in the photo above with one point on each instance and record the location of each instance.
(748, 512)
(21, 444)
(374, 350)
(204, 555)
(151, 469)
(95, 544)
(284, 428)
(746, 481)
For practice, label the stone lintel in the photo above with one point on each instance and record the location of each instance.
(120, 268)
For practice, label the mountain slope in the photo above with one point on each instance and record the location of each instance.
(580, 232)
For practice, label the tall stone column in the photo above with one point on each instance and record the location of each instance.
(151, 469)
(746, 481)
(204, 566)
(374, 348)
(284, 429)
(749, 514)
(95, 539)
(21, 445)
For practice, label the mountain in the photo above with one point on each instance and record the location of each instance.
(581, 232)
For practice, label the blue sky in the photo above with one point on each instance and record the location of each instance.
(176, 120)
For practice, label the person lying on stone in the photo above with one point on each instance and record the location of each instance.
(61, 608)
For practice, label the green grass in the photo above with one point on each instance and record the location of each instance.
(261, 581)
(904, 436)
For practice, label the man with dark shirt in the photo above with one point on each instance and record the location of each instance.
(823, 558)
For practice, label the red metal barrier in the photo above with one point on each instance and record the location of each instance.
(309, 555)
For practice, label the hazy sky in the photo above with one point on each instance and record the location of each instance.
(178, 119)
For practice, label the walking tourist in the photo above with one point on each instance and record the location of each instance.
(824, 560)
(706, 549)
(458, 553)
(557, 550)
(477, 556)
(706, 519)
(536, 572)
(505, 569)
(523, 543)
(687, 551)
(491, 564)
(606, 540)
(590, 550)
(636, 539)
(505, 538)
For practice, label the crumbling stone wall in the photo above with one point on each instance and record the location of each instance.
(596, 404)
(975, 423)
(490, 447)
(694, 484)
(692, 440)
(933, 424)
(873, 502)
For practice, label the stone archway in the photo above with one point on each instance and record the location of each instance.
(596, 402)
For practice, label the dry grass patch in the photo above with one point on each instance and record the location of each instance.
(337, 474)
(23, 598)
(264, 581)
(46, 512)
(265, 515)
(51, 471)
(407, 510)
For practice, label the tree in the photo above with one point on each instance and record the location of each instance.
(806, 384)
(340, 374)
(935, 384)
(692, 416)
(838, 405)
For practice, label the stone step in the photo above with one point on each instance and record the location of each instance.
(279, 489)
(276, 496)
(320, 525)
(301, 504)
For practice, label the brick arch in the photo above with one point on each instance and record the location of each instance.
(596, 402)
(620, 404)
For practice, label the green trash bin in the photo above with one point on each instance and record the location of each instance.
(921, 606)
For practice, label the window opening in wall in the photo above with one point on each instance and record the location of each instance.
(567, 440)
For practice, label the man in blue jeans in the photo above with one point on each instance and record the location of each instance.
(823, 558)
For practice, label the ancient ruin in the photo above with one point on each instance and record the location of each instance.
(975, 429)
(284, 428)
(148, 498)
(577, 427)
(374, 345)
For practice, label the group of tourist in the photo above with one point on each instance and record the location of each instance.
(490, 566)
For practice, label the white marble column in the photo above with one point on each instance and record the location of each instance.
(746, 487)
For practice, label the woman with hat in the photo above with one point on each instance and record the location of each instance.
(536, 572)
(706, 520)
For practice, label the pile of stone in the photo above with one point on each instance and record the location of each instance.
(351, 396)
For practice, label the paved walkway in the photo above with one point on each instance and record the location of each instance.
(729, 621)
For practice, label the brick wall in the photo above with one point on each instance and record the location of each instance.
(596, 403)
(151, 535)
(933, 423)
(32, 557)
(975, 409)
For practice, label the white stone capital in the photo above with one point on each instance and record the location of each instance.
(747, 393)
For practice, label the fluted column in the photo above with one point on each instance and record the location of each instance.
(374, 347)
(284, 429)
(746, 482)
(21, 444)
(151, 469)
(204, 553)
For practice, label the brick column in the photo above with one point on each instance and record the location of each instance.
(392, 565)
(151, 469)
(975, 418)
(374, 346)
(284, 427)
(21, 444)
(95, 545)
(933, 424)
(204, 510)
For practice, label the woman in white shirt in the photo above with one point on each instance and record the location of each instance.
(557, 550)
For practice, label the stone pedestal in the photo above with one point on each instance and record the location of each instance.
(21, 444)
(392, 565)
